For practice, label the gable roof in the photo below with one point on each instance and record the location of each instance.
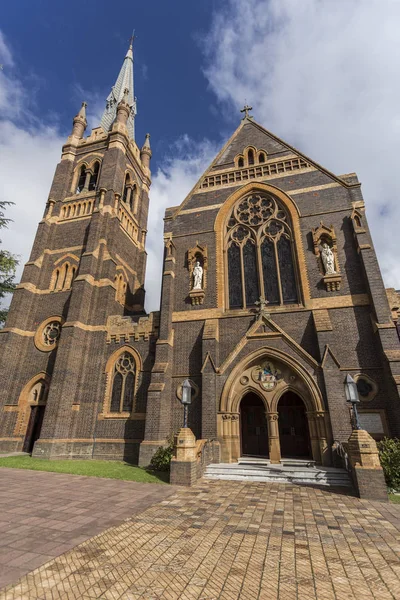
(263, 140)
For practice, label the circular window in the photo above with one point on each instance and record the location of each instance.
(48, 334)
(367, 388)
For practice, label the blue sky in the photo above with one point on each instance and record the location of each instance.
(321, 74)
(66, 52)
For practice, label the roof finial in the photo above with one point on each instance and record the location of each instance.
(132, 39)
(245, 110)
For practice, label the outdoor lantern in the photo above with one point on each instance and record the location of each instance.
(186, 400)
(186, 392)
(351, 391)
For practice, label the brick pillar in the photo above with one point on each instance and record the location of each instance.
(209, 400)
(158, 411)
(367, 471)
(184, 461)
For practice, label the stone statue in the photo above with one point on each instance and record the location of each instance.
(328, 259)
(197, 276)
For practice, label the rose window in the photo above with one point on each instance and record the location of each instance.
(51, 333)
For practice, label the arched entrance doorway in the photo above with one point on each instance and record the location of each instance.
(294, 436)
(253, 426)
(35, 408)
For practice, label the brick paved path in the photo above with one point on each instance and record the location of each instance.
(232, 540)
(44, 514)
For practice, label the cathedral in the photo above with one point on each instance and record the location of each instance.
(271, 296)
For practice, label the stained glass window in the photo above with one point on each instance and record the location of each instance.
(260, 240)
(288, 281)
(123, 387)
(235, 277)
(271, 285)
(250, 270)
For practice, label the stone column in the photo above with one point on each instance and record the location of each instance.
(273, 438)
(314, 436)
(366, 467)
(324, 446)
(183, 463)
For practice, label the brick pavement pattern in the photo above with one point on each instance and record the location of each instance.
(42, 515)
(233, 540)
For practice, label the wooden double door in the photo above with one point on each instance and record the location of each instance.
(254, 427)
(294, 435)
(293, 427)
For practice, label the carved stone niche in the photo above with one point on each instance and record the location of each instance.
(326, 235)
(197, 254)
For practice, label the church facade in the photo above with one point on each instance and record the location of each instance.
(271, 295)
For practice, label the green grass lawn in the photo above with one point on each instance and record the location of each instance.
(92, 468)
(394, 498)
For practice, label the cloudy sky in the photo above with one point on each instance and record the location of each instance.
(321, 74)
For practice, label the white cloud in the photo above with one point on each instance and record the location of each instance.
(322, 75)
(170, 185)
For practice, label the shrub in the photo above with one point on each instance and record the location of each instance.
(161, 459)
(389, 454)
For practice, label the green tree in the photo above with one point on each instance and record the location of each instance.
(8, 264)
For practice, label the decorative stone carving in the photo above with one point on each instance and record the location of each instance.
(197, 267)
(267, 375)
(325, 249)
(122, 328)
(197, 276)
(328, 259)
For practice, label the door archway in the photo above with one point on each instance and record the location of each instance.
(253, 426)
(294, 435)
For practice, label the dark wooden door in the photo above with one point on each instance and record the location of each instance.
(34, 427)
(293, 427)
(254, 427)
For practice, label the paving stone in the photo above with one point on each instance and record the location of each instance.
(206, 542)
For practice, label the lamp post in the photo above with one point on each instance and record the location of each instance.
(186, 400)
(351, 391)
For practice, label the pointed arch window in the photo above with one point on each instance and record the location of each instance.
(250, 157)
(123, 384)
(63, 277)
(82, 179)
(94, 176)
(260, 253)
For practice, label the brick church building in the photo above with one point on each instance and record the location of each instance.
(271, 294)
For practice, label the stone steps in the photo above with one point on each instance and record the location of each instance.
(290, 471)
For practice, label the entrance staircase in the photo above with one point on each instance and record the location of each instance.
(303, 472)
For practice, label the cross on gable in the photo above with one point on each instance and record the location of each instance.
(262, 304)
(245, 110)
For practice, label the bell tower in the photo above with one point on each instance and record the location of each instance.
(87, 263)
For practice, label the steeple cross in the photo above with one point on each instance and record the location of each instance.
(245, 110)
(132, 38)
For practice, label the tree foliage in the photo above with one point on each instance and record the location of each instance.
(389, 454)
(8, 263)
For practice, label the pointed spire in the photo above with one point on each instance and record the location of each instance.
(146, 153)
(80, 122)
(124, 82)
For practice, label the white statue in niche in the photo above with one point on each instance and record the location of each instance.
(328, 259)
(197, 276)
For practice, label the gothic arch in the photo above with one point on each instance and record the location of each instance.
(88, 163)
(109, 370)
(232, 394)
(220, 226)
(27, 399)
(295, 378)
